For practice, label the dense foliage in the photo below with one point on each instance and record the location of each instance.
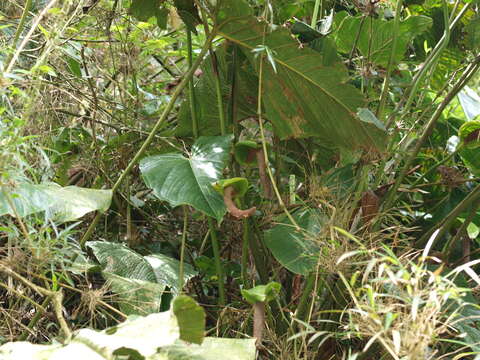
(288, 179)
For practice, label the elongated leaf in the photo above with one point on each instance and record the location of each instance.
(378, 42)
(188, 180)
(60, 203)
(296, 250)
(304, 95)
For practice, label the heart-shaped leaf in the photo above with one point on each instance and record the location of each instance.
(139, 281)
(188, 180)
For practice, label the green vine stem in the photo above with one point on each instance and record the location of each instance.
(218, 90)
(245, 246)
(21, 24)
(386, 81)
(182, 250)
(151, 136)
(218, 262)
(316, 10)
(431, 60)
(191, 89)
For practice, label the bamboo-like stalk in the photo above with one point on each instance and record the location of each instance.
(316, 10)
(191, 89)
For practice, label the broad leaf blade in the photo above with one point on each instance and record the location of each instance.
(296, 250)
(60, 203)
(188, 181)
(304, 97)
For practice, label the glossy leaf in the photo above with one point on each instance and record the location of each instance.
(139, 281)
(181, 180)
(296, 250)
(304, 95)
(60, 203)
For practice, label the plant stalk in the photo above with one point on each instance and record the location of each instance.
(317, 9)
(218, 262)
(191, 89)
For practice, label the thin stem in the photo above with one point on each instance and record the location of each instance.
(386, 81)
(188, 75)
(357, 37)
(21, 24)
(429, 63)
(306, 297)
(218, 262)
(218, 90)
(245, 246)
(182, 249)
(316, 11)
(191, 89)
(38, 315)
(264, 146)
(27, 37)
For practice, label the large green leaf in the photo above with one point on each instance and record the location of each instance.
(153, 337)
(139, 281)
(377, 42)
(60, 203)
(188, 180)
(296, 250)
(304, 93)
(206, 95)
